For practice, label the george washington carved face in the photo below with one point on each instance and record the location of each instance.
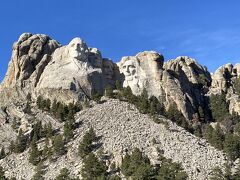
(78, 49)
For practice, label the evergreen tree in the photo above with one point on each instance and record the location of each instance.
(54, 107)
(58, 145)
(34, 153)
(93, 168)
(217, 138)
(86, 146)
(136, 165)
(12, 146)
(21, 142)
(232, 146)
(143, 103)
(217, 174)
(2, 153)
(109, 91)
(118, 85)
(2, 174)
(38, 131)
(49, 130)
(68, 130)
(219, 107)
(95, 96)
(39, 172)
(64, 175)
(27, 108)
(48, 104)
(39, 102)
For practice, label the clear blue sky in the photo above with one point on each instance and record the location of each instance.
(207, 30)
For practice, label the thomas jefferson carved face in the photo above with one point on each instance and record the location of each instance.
(78, 49)
(108, 69)
(129, 69)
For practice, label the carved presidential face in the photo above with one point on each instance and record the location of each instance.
(78, 49)
(129, 69)
(108, 69)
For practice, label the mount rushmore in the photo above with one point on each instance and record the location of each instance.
(41, 66)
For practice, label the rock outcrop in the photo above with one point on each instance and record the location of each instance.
(181, 81)
(41, 66)
(223, 81)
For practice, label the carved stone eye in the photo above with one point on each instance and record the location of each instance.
(124, 67)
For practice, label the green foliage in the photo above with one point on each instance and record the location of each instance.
(68, 130)
(156, 107)
(171, 171)
(58, 145)
(118, 85)
(136, 165)
(38, 131)
(39, 172)
(47, 151)
(214, 136)
(64, 175)
(176, 116)
(95, 96)
(21, 143)
(93, 168)
(48, 130)
(237, 85)
(86, 146)
(143, 103)
(109, 91)
(2, 174)
(232, 146)
(58, 109)
(27, 108)
(34, 153)
(219, 107)
(2, 153)
(16, 123)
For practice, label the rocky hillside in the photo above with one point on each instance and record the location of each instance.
(121, 127)
(174, 109)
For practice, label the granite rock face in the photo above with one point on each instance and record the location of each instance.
(223, 81)
(180, 81)
(41, 66)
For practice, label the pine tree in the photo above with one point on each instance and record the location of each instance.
(118, 85)
(54, 107)
(34, 153)
(64, 175)
(232, 146)
(48, 104)
(27, 108)
(21, 142)
(68, 130)
(2, 153)
(86, 146)
(49, 130)
(58, 145)
(39, 102)
(2, 174)
(109, 91)
(39, 172)
(93, 168)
